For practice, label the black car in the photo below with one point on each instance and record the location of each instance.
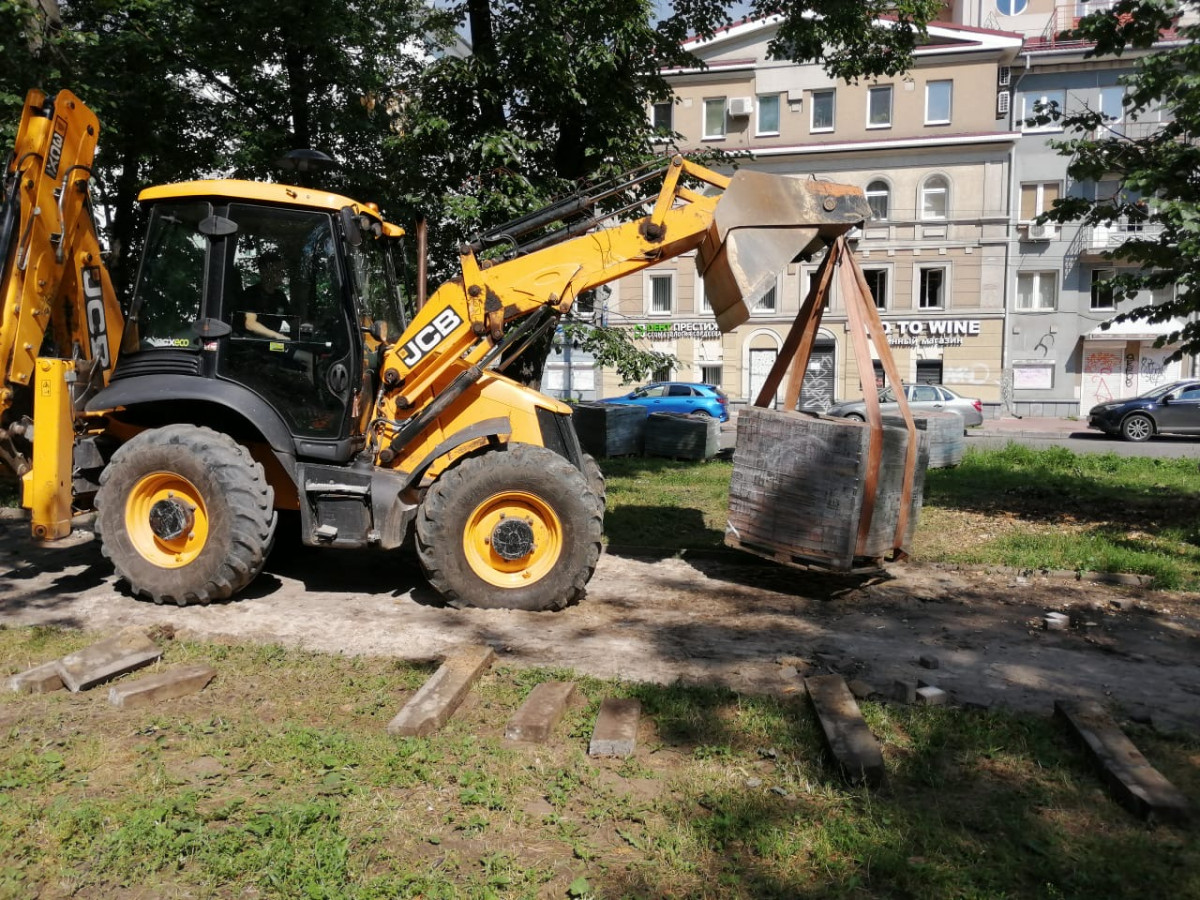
(1168, 409)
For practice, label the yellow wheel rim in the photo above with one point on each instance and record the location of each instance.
(166, 519)
(513, 539)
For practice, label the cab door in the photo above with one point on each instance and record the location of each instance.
(293, 340)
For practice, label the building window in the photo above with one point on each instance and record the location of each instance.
(879, 106)
(823, 111)
(935, 197)
(1030, 104)
(662, 116)
(663, 373)
(768, 114)
(1102, 292)
(1011, 7)
(702, 304)
(714, 118)
(878, 197)
(877, 282)
(931, 287)
(710, 373)
(1037, 198)
(660, 288)
(768, 303)
(937, 102)
(1112, 105)
(1037, 290)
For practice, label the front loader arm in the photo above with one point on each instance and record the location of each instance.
(56, 298)
(744, 235)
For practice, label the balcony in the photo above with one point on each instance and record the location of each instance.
(1093, 240)
(1065, 17)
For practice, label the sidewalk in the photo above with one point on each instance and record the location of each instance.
(1030, 426)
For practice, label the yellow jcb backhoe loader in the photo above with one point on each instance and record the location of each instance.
(264, 362)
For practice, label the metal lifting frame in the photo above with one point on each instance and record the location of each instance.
(865, 326)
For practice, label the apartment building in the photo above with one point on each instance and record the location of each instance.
(972, 293)
(1063, 351)
(932, 150)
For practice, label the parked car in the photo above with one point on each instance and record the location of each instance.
(1168, 409)
(920, 397)
(691, 398)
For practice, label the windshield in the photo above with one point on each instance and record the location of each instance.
(1159, 391)
(374, 273)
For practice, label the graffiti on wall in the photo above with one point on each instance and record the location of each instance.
(816, 393)
(1100, 368)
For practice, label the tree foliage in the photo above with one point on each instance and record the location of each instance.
(1157, 168)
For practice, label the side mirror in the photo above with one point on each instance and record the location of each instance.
(378, 330)
(1168, 399)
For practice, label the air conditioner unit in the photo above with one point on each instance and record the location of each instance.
(740, 106)
(1036, 232)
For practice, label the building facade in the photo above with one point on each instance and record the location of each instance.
(971, 292)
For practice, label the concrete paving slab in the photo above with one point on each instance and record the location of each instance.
(431, 706)
(179, 681)
(854, 749)
(1135, 784)
(39, 680)
(540, 712)
(615, 731)
(125, 652)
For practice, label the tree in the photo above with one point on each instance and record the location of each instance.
(1158, 171)
(556, 91)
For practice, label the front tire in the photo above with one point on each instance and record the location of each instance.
(185, 515)
(1137, 428)
(517, 528)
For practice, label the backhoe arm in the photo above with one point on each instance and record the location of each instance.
(744, 235)
(56, 299)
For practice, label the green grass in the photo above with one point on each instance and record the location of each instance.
(280, 780)
(1060, 510)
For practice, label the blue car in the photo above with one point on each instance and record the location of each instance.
(689, 398)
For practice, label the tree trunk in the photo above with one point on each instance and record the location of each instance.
(483, 46)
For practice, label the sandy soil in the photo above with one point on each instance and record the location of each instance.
(753, 626)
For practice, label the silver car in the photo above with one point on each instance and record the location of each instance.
(921, 397)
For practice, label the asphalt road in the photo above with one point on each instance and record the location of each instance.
(1083, 441)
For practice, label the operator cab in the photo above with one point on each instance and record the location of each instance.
(272, 292)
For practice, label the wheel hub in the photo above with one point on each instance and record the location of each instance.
(171, 518)
(512, 539)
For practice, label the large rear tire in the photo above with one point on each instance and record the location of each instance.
(185, 515)
(595, 479)
(517, 528)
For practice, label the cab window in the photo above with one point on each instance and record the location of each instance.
(171, 282)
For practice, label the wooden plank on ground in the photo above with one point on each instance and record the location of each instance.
(1135, 783)
(850, 742)
(429, 708)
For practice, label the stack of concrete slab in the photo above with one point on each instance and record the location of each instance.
(946, 434)
(800, 483)
(610, 429)
(678, 436)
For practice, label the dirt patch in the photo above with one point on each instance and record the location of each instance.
(728, 620)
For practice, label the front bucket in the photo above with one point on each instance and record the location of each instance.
(763, 222)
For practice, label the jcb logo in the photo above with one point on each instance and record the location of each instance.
(93, 295)
(430, 336)
(54, 154)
